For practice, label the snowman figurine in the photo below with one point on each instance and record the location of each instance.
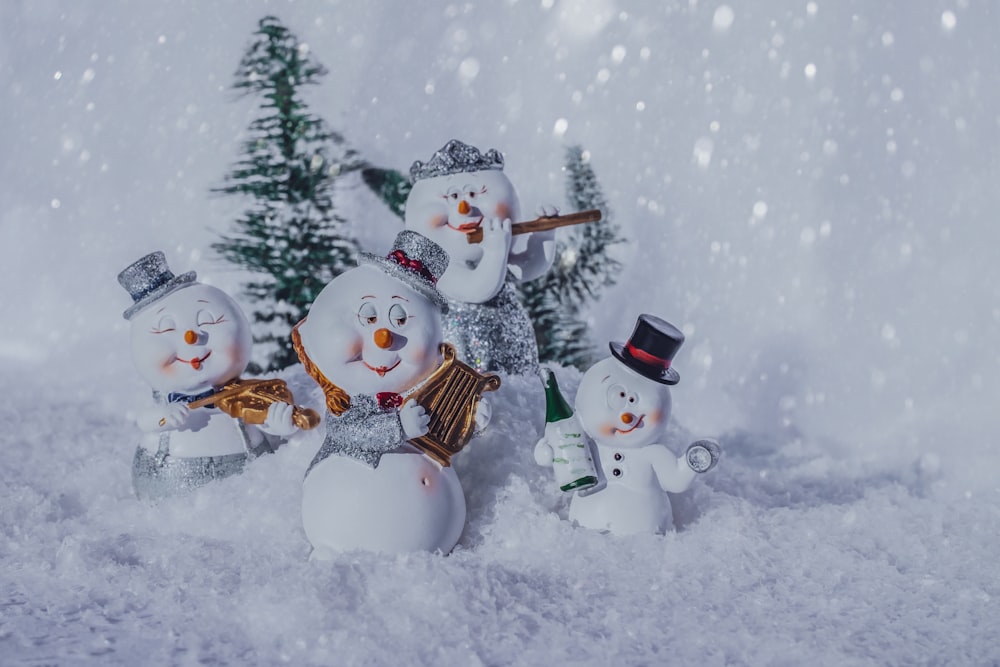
(623, 404)
(371, 337)
(188, 341)
(460, 192)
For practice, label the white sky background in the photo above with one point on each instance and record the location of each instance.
(810, 190)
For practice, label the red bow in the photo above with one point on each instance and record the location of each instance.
(414, 265)
(387, 400)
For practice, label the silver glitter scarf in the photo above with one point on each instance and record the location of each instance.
(364, 432)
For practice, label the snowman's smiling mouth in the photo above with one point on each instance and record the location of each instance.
(634, 426)
(466, 227)
(381, 370)
(195, 362)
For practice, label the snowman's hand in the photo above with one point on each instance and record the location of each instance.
(163, 417)
(703, 455)
(546, 211)
(279, 419)
(543, 453)
(496, 237)
(414, 420)
(532, 254)
(484, 413)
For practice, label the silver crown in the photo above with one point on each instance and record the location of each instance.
(455, 158)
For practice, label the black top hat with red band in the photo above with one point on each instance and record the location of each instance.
(651, 349)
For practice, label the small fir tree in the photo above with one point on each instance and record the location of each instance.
(290, 236)
(582, 270)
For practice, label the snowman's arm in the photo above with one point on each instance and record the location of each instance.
(161, 417)
(672, 472)
(279, 420)
(543, 452)
(531, 255)
(482, 283)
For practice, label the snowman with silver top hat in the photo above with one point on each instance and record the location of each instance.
(188, 342)
(459, 195)
(371, 337)
(623, 404)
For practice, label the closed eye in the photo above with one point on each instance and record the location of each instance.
(164, 325)
(206, 318)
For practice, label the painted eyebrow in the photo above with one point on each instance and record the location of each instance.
(368, 296)
(400, 297)
(605, 378)
(202, 301)
(162, 308)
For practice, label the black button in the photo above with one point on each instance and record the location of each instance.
(618, 456)
(617, 472)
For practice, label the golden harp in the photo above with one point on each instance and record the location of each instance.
(450, 395)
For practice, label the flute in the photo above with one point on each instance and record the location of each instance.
(542, 224)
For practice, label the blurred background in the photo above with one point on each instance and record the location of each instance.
(809, 189)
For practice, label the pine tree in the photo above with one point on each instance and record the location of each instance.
(582, 270)
(290, 236)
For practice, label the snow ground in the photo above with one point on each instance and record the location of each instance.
(785, 554)
(811, 191)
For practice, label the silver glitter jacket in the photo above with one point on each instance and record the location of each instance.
(364, 432)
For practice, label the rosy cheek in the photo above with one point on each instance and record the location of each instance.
(414, 356)
(437, 221)
(655, 417)
(234, 353)
(503, 211)
(606, 429)
(353, 348)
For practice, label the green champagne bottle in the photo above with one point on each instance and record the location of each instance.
(571, 460)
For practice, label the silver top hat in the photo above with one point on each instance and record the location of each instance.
(416, 261)
(150, 279)
(456, 157)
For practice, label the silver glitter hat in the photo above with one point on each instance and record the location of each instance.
(416, 261)
(455, 158)
(150, 279)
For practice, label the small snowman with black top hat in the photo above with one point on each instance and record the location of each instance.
(190, 342)
(623, 403)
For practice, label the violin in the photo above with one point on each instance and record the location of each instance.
(249, 400)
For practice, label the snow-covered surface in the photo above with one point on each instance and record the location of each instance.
(811, 190)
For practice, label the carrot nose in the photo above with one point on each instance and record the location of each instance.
(627, 417)
(463, 207)
(190, 337)
(383, 338)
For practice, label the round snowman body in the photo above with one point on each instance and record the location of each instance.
(189, 342)
(625, 414)
(486, 322)
(369, 333)
(632, 501)
(407, 503)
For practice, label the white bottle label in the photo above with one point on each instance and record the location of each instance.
(571, 460)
